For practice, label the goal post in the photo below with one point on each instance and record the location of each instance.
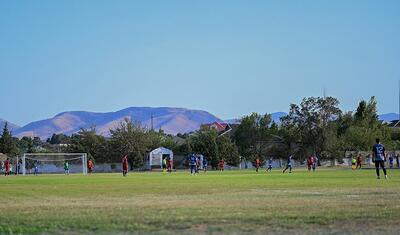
(53, 162)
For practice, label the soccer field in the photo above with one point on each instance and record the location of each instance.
(329, 201)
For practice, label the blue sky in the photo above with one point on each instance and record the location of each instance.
(230, 58)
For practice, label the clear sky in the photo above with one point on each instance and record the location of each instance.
(227, 57)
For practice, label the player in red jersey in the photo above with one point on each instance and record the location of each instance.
(7, 166)
(221, 165)
(125, 165)
(257, 164)
(90, 166)
(169, 164)
(309, 162)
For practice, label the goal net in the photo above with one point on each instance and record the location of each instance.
(53, 163)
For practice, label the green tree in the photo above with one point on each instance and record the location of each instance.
(8, 144)
(315, 118)
(205, 142)
(58, 139)
(253, 136)
(87, 141)
(214, 147)
(25, 145)
(131, 139)
(228, 151)
(360, 130)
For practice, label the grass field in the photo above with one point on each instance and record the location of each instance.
(330, 201)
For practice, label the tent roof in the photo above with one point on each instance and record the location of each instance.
(161, 150)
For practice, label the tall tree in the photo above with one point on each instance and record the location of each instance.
(8, 144)
(361, 129)
(87, 141)
(214, 147)
(254, 135)
(315, 119)
(131, 139)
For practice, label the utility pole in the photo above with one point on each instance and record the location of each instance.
(399, 100)
(152, 122)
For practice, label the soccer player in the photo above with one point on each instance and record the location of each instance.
(221, 165)
(353, 163)
(257, 164)
(314, 162)
(289, 164)
(205, 164)
(397, 160)
(359, 161)
(7, 166)
(270, 161)
(35, 168)
(164, 164)
(379, 157)
(197, 164)
(19, 165)
(309, 163)
(170, 164)
(66, 167)
(192, 162)
(90, 166)
(391, 160)
(125, 165)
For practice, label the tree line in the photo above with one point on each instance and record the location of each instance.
(316, 126)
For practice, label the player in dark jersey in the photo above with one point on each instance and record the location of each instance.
(379, 157)
(289, 164)
(192, 162)
(205, 164)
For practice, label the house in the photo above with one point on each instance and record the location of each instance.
(393, 124)
(220, 127)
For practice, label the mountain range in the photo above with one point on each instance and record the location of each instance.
(171, 120)
(12, 127)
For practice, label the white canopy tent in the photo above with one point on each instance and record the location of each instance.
(156, 156)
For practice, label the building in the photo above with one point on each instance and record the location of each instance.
(220, 127)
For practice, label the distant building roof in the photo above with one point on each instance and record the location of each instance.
(394, 123)
(218, 126)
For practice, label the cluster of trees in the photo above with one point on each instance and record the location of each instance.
(315, 126)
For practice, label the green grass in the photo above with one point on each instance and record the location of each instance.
(329, 201)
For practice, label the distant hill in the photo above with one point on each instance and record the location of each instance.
(12, 127)
(276, 117)
(171, 120)
(389, 117)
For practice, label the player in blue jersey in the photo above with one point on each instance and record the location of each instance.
(192, 162)
(379, 158)
(270, 161)
(289, 164)
(391, 161)
(205, 164)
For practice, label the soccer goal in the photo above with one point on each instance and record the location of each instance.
(53, 163)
